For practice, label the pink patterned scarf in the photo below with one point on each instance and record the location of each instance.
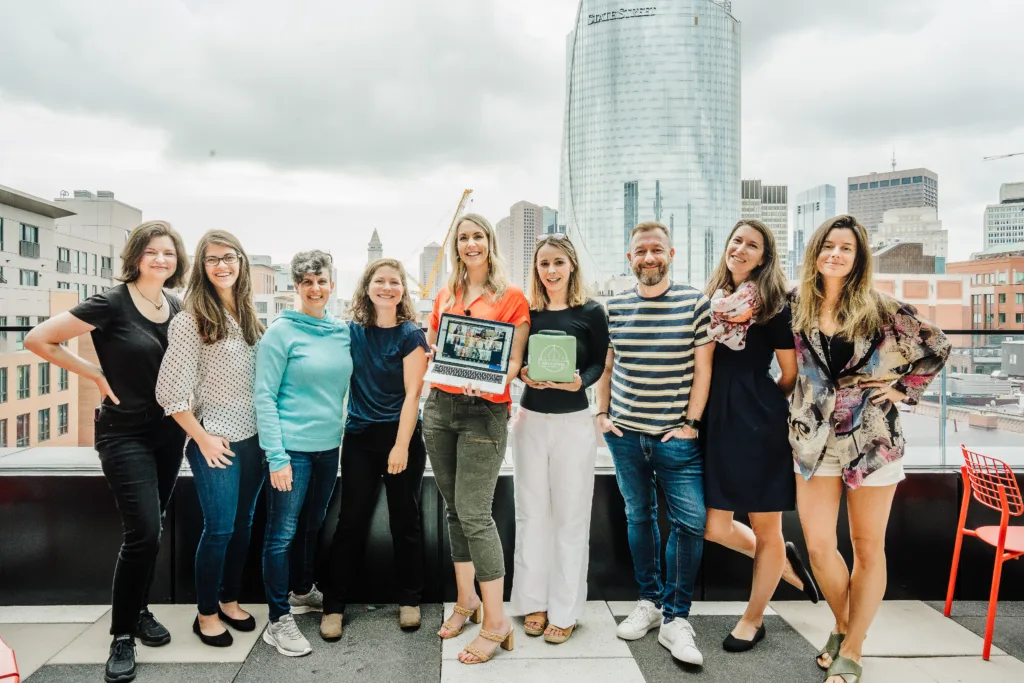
(731, 315)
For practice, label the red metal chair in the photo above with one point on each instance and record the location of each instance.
(992, 484)
(8, 665)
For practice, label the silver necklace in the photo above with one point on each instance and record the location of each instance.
(156, 305)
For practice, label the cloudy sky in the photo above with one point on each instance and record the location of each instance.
(308, 124)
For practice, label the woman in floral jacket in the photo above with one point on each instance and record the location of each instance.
(859, 353)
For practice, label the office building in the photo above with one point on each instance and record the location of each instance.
(812, 208)
(997, 287)
(517, 236)
(374, 250)
(433, 256)
(870, 196)
(651, 128)
(918, 224)
(549, 220)
(907, 258)
(1004, 222)
(770, 205)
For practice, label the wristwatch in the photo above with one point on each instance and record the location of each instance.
(696, 424)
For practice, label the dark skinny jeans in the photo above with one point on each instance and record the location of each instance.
(140, 456)
(364, 463)
(228, 498)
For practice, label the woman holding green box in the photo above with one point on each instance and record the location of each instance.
(554, 446)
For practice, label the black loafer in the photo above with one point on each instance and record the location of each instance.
(734, 644)
(121, 664)
(219, 640)
(151, 632)
(810, 588)
(246, 625)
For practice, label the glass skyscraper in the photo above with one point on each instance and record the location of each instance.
(651, 131)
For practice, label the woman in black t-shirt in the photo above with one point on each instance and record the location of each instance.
(554, 451)
(140, 450)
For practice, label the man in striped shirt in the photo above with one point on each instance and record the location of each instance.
(651, 398)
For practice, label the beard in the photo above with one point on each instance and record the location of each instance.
(648, 278)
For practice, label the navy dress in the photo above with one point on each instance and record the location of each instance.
(748, 461)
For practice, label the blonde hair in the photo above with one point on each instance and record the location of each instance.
(861, 310)
(362, 309)
(203, 302)
(497, 279)
(767, 277)
(576, 294)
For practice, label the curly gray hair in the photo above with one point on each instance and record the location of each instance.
(314, 261)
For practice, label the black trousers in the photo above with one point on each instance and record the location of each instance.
(140, 458)
(364, 463)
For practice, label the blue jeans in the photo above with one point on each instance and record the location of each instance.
(228, 498)
(315, 473)
(641, 460)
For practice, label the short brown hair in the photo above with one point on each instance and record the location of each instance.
(139, 238)
(650, 225)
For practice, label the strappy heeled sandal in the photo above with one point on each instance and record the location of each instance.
(476, 616)
(847, 669)
(831, 649)
(505, 642)
(559, 639)
(535, 618)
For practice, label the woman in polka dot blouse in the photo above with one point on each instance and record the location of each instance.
(206, 384)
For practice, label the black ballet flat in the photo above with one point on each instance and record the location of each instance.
(810, 588)
(219, 640)
(734, 644)
(246, 625)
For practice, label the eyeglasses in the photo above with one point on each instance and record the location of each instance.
(228, 259)
(551, 236)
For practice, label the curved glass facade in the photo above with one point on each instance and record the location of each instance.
(651, 131)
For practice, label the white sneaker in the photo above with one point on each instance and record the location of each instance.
(286, 637)
(678, 636)
(642, 619)
(313, 601)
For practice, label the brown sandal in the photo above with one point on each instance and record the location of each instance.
(476, 616)
(558, 640)
(535, 618)
(505, 642)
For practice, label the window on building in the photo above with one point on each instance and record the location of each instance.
(261, 306)
(74, 260)
(21, 321)
(62, 419)
(44, 379)
(1020, 298)
(94, 260)
(3, 385)
(905, 181)
(1002, 298)
(989, 300)
(29, 278)
(853, 187)
(24, 381)
(863, 186)
(918, 179)
(1002, 318)
(29, 233)
(23, 427)
(63, 285)
(1019, 318)
(263, 321)
(64, 255)
(873, 184)
(3, 323)
(62, 379)
(44, 424)
(3, 433)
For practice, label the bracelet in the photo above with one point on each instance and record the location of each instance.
(603, 412)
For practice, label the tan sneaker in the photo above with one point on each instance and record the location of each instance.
(330, 627)
(409, 617)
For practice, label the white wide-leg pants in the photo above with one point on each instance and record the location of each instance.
(554, 458)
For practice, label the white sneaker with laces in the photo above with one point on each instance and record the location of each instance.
(313, 601)
(678, 636)
(642, 619)
(285, 636)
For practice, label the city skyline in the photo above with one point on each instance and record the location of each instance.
(285, 181)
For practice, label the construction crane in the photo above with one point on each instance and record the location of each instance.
(424, 289)
(1002, 156)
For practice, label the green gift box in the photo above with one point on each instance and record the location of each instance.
(552, 357)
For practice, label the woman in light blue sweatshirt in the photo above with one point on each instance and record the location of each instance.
(303, 369)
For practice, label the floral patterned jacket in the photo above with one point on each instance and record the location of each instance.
(908, 352)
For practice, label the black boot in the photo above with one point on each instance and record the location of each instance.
(121, 663)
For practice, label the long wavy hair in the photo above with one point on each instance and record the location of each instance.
(577, 291)
(362, 309)
(497, 277)
(135, 248)
(203, 302)
(861, 311)
(767, 277)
